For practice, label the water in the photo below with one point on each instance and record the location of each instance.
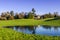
(42, 30)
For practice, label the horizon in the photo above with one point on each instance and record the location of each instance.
(41, 6)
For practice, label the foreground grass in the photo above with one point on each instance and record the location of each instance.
(9, 34)
(29, 22)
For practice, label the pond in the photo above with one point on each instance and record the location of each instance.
(42, 30)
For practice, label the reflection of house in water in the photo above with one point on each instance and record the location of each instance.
(56, 27)
(49, 27)
(46, 27)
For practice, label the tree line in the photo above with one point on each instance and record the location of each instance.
(26, 15)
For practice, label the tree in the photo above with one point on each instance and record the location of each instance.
(16, 16)
(11, 18)
(55, 14)
(2, 15)
(30, 15)
(26, 15)
(21, 15)
(50, 15)
(33, 10)
(12, 13)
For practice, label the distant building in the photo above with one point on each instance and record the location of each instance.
(37, 17)
(3, 18)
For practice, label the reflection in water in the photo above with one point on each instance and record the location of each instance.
(46, 27)
(42, 30)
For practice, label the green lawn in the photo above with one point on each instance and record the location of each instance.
(53, 22)
(29, 22)
(19, 22)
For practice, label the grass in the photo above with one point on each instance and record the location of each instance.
(9, 34)
(52, 22)
(29, 22)
(19, 22)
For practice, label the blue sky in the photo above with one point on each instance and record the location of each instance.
(41, 6)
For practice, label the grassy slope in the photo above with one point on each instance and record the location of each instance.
(52, 22)
(9, 34)
(29, 22)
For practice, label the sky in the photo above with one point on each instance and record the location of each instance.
(41, 6)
